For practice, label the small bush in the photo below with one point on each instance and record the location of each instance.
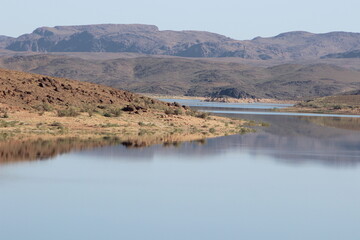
(69, 112)
(178, 111)
(109, 125)
(113, 112)
(212, 130)
(56, 124)
(169, 111)
(5, 115)
(5, 124)
(203, 115)
(44, 107)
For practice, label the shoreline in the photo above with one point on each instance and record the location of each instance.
(149, 126)
(320, 110)
(222, 100)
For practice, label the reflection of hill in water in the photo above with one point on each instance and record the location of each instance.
(337, 122)
(39, 149)
(309, 126)
(289, 139)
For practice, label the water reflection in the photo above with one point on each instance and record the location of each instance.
(40, 149)
(331, 141)
(15, 151)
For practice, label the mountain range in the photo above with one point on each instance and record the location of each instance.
(144, 59)
(148, 39)
(194, 77)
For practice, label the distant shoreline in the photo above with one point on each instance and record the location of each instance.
(224, 100)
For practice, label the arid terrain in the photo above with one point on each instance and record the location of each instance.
(195, 77)
(34, 105)
(346, 103)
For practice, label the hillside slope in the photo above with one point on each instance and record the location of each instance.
(178, 76)
(344, 103)
(36, 106)
(349, 54)
(27, 91)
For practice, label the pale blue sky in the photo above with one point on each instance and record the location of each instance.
(236, 19)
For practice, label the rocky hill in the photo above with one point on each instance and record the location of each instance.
(346, 103)
(4, 41)
(148, 39)
(194, 77)
(28, 91)
(38, 106)
(349, 54)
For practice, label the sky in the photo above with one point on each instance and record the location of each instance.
(234, 18)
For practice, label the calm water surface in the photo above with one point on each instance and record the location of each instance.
(297, 179)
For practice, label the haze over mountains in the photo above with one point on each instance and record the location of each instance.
(148, 39)
(141, 58)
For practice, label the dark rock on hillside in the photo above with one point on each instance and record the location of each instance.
(232, 92)
(349, 54)
(355, 92)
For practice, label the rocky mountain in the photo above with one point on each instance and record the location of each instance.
(4, 41)
(194, 77)
(349, 54)
(148, 39)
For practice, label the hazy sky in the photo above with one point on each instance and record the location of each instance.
(234, 18)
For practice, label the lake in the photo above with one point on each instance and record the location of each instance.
(296, 179)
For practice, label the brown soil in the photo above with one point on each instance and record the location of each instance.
(30, 106)
(26, 90)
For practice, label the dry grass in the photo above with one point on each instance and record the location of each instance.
(340, 104)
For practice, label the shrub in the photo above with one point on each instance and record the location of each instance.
(212, 130)
(203, 115)
(169, 112)
(178, 111)
(176, 104)
(69, 112)
(44, 107)
(113, 112)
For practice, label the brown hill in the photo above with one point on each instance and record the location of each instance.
(194, 77)
(33, 105)
(345, 103)
(27, 91)
(148, 39)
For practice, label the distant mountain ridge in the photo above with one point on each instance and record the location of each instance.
(148, 39)
(4, 41)
(194, 77)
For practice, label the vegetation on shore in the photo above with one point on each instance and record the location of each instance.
(338, 104)
(35, 105)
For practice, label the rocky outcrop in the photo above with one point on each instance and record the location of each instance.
(349, 54)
